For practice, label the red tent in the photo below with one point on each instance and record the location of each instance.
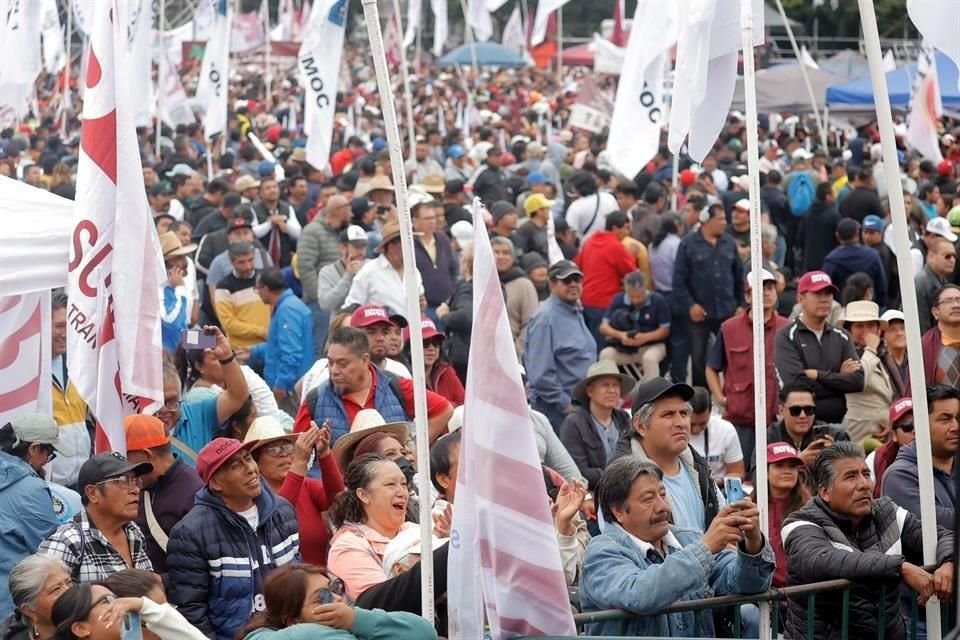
(580, 55)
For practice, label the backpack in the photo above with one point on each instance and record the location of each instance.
(801, 193)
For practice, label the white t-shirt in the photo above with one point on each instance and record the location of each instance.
(581, 212)
(724, 446)
(252, 516)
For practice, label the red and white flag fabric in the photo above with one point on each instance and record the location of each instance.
(393, 39)
(926, 107)
(938, 21)
(25, 355)
(619, 35)
(212, 89)
(540, 27)
(115, 268)
(500, 535)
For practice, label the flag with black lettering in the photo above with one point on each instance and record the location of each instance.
(319, 62)
(214, 73)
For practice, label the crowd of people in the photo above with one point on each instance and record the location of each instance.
(274, 493)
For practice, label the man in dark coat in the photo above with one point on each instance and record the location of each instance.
(817, 235)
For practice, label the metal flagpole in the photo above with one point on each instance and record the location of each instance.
(756, 283)
(419, 49)
(898, 213)
(161, 78)
(560, 47)
(410, 283)
(408, 100)
(675, 181)
(67, 97)
(803, 72)
(468, 36)
(268, 79)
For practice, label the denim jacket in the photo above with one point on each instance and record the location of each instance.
(618, 575)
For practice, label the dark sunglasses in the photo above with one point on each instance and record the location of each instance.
(572, 279)
(326, 596)
(906, 427)
(806, 410)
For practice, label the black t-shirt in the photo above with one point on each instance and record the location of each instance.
(860, 203)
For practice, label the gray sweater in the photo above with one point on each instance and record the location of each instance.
(333, 285)
(319, 245)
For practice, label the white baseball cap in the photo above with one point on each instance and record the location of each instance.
(764, 274)
(941, 227)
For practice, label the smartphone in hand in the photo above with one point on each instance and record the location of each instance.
(193, 339)
(733, 488)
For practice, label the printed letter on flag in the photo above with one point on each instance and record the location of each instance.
(319, 62)
(926, 109)
(214, 74)
(638, 108)
(25, 354)
(115, 268)
(938, 21)
(504, 560)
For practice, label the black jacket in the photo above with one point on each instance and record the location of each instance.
(823, 545)
(459, 322)
(797, 349)
(818, 234)
(777, 432)
(490, 186)
(199, 211)
(860, 203)
(579, 435)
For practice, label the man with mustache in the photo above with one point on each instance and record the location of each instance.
(845, 533)
(661, 435)
(642, 563)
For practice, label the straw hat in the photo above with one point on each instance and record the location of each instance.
(601, 369)
(171, 248)
(390, 232)
(433, 183)
(367, 422)
(298, 155)
(245, 182)
(264, 430)
(863, 311)
(379, 183)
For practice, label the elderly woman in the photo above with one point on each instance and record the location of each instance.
(283, 460)
(304, 603)
(439, 374)
(35, 584)
(375, 551)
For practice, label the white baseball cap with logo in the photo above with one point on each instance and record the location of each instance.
(941, 227)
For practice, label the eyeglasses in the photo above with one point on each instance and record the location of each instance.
(949, 301)
(336, 588)
(572, 280)
(51, 453)
(171, 405)
(279, 449)
(125, 482)
(795, 411)
(906, 427)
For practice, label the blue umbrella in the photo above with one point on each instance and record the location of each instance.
(488, 54)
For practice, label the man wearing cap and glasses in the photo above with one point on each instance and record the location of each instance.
(810, 348)
(798, 424)
(559, 348)
(104, 538)
(335, 279)
(222, 551)
(900, 479)
(902, 434)
(867, 410)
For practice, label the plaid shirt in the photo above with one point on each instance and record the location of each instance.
(88, 553)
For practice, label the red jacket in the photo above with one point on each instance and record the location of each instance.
(604, 262)
(737, 333)
(930, 346)
(444, 381)
(311, 497)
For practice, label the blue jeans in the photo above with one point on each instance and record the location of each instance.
(679, 341)
(321, 327)
(700, 333)
(593, 316)
(553, 413)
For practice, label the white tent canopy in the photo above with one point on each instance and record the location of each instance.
(37, 227)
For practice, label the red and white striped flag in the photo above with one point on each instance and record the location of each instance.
(113, 319)
(502, 530)
(926, 107)
(25, 354)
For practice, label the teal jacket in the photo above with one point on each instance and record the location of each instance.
(368, 625)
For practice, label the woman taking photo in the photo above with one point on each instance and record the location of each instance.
(438, 373)
(375, 551)
(303, 603)
(283, 459)
(92, 611)
(35, 584)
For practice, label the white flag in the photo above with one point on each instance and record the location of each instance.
(139, 50)
(546, 7)
(54, 51)
(706, 72)
(889, 61)
(478, 18)
(414, 10)
(286, 18)
(319, 62)
(115, 268)
(926, 107)
(607, 57)
(638, 108)
(441, 25)
(504, 561)
(807, 59)
(81, 15)
(25, 354)
(176, 105)
(514, 37)
(21, 62)
(939, 23)
(212, 89)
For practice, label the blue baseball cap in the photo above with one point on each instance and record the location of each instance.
(265, 168)
(873, 223)
(536, 178)
(379, 144)
(455, 151)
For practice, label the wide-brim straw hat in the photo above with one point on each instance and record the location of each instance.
(389, 233)
(863, 311)
(367, 422)
(170, 246)
(602, 369)
(264, 430)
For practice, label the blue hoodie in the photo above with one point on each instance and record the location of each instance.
(26, 518)
(846, 260)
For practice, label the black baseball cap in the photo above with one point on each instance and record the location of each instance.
(161, 189)
(563, 270)
(105, 466)
(655, 388)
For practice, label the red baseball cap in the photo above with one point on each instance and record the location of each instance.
(815, 281)
(899, 409)
(216, 453)
(781, 451)
(688, 177)
(427, 328)
(369, 315)
(945, 168)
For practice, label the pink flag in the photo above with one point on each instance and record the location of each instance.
(393, 40)
(619, 36)
(502, 529)
(113, 319)
(25, 354)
